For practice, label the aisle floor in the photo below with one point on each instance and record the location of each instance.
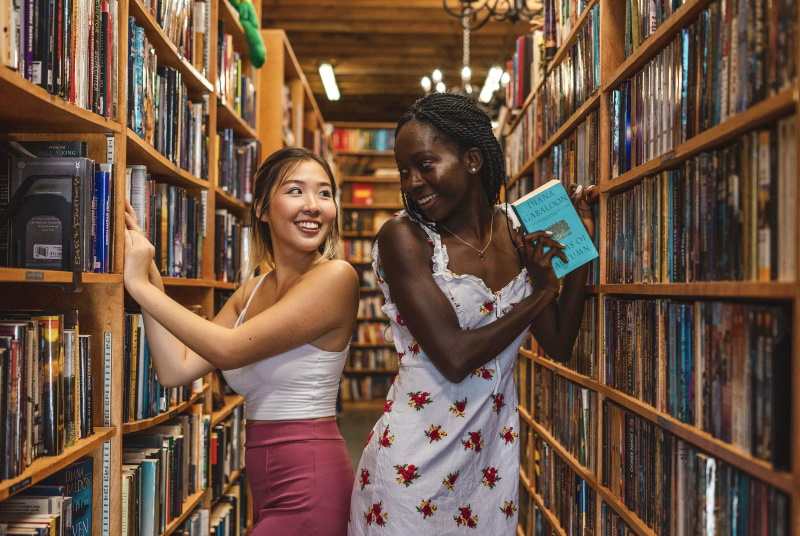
(355, 425)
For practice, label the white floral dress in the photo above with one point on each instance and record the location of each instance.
(444, 458)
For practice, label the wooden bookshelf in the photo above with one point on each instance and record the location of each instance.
(135, 426)
(189, 504)
(142, 153)
(615, 70)
(231, 401)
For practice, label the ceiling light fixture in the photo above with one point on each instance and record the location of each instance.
(329, 81)
(491, 84)
(474, 14)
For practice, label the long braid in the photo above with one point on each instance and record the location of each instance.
(465, 123)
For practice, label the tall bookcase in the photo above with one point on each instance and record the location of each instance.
(576, 416)
(29, 112)
(370, 194)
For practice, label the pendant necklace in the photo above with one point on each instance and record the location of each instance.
(480, 251)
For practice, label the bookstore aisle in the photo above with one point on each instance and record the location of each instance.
(675, 413)
(90, 442)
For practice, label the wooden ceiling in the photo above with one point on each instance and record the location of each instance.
(380, 50)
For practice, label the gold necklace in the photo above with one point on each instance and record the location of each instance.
(480, 251)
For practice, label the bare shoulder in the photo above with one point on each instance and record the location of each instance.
(401, 237)
(335, 272)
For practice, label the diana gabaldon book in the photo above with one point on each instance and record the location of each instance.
(549, 208)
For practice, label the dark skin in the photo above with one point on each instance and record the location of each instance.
(432, 165)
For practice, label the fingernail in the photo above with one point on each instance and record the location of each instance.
(548, 233)
(578, 189)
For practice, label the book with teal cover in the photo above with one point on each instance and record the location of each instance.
(549, 208)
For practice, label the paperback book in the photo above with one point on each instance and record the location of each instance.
(549, 208)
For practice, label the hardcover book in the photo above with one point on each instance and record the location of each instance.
(549, 208)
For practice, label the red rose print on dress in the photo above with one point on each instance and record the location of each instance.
(450, 480)
(435, 433)
(484, 373)
(426, 508)
(387, 407)
(372, 432)
(414, 348)
(400, 356)
(475, 441)
(508, 435)
(465, 517)
(508, 508)
(376, 515)
(490, 477)
(487, 307)
(419, 399)
(459, 407)
(399, 320)
(364, 479)
(406, 474)
(386, 440)
(499, 402)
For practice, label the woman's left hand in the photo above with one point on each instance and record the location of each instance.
(579, 196)
(139, 254)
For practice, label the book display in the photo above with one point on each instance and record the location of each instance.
(147, 114)
(674, 415)
(370, 195)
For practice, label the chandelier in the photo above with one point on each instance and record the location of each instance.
(474, 14)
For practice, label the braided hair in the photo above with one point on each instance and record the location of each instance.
(461, 120)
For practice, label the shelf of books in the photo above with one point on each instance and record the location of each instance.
(675, 413)
(370, 194)
(165, 118)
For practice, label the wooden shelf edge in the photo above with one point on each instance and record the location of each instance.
(227, 117)
(701, 439)
(12, 82)
(231, 401)
(231, 17)
(555, 524)
(656, 42)
(141, 152)
(559, 56)
(166, 50)
(44, 467)
(24, 275)
(191, 502)
(226, 285)
(759, 114)
(776, 290)
(569, 125)
(135, 426)
(231, 481)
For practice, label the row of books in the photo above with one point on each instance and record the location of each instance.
(56, 212)
(357, 250)
(58, 504)
(365, 387)
(369, 307)
(560, 18)
(228, 517)
(161, 467)
(238, 162)
(364, 221)
(235, 78)
(231, 246)
(723, 215)
(186, 25)
(373, 359)
(572, 81)
(226, 451)
(576, 159)
(720, 65)
(47, 395)
(720, 366)
(363, 139)
(677, 489)
(143, 395)
(612, 523)
(367, 193)
(643, 18)
(68, 47)
(525, 68)
(568, 411)
(173, 220)
(565, 494)
(366, 276)
(370, 333)
(160, 110)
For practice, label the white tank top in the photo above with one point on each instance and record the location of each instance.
(299, 384)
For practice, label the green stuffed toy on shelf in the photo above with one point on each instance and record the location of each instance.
(250, 23)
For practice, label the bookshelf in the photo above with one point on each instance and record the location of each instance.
(30, 113)
(696, 443)
(370, 194)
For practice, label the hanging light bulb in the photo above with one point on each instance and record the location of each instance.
(440, 87)
(426, 84)
(436, 76)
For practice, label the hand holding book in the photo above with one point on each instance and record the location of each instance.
(537, 250)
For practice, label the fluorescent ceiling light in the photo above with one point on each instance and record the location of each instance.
(329, 81)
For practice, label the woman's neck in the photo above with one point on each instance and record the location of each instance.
(289, 268)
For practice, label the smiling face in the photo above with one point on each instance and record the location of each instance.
(301, 209)
(434, 173)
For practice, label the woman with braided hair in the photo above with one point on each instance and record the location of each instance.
(461, 287)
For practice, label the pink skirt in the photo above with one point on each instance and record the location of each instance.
(300, 478)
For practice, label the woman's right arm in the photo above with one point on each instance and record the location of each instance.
(426, 311)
